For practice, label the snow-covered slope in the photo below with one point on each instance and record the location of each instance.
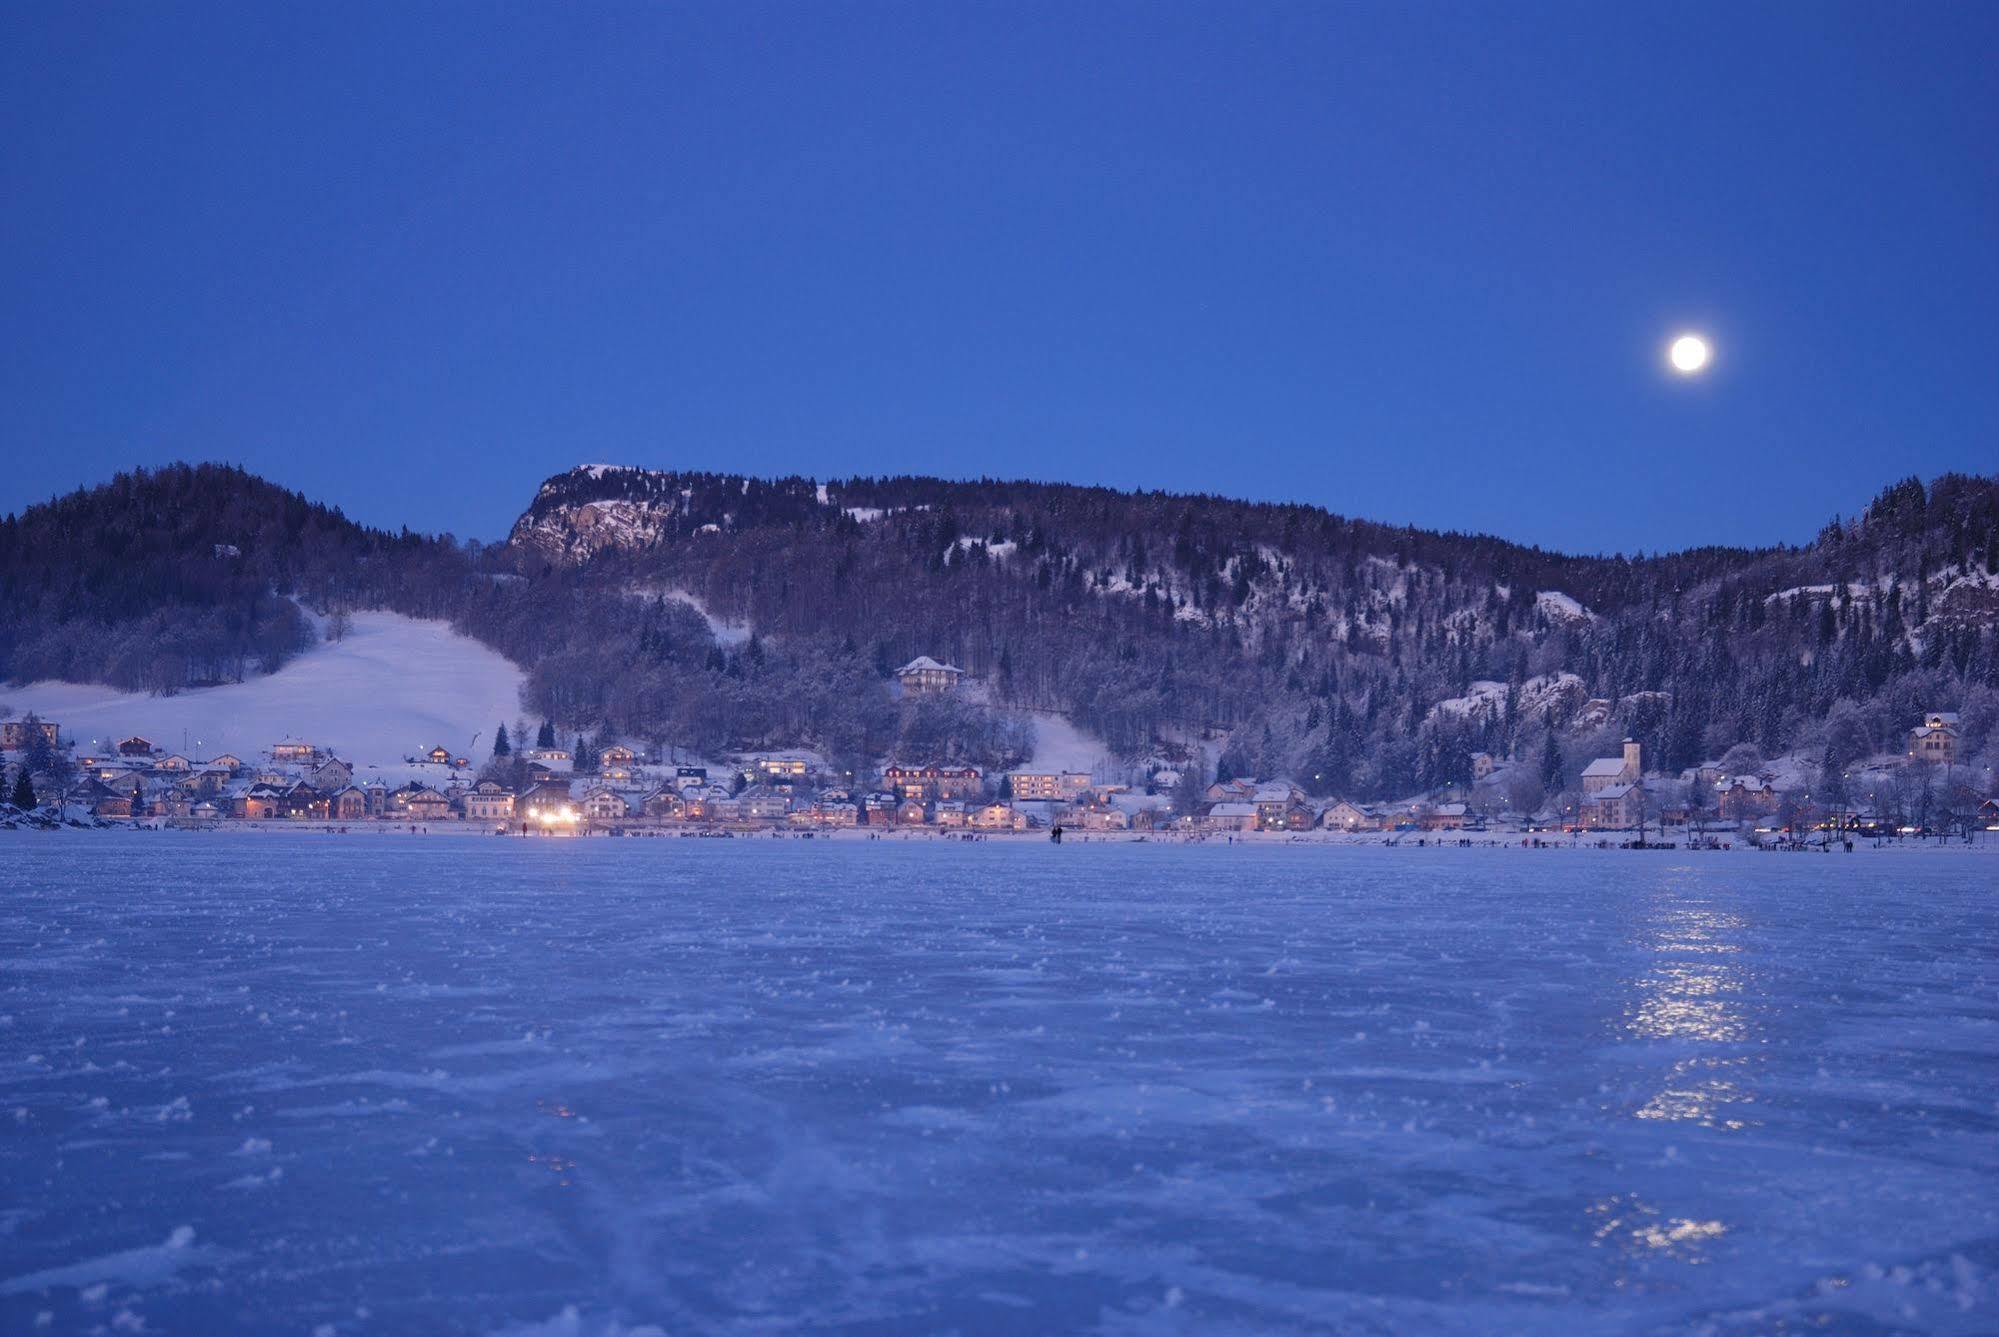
(391, 688)
(1060, 746)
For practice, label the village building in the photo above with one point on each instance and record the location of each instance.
(547, 804)
(1446, 817)
(605, 805)
(1745, 798)
(1049, 786)
(938, 782)
(951, 812)
(664, 805)
(19, 735)
(1935, 739)
(997, 817)
(548, 756)
(779, 768)
(293, 750)
(488, 802)
(257, 802)
(301, 802)
(1350, 817)
(423, 804)
(347, 804)
(1280, 806)
(135, 746)
(1232, 816)
(924, 676)
(617, 754)
(1617, 807)
(332, 773)
(760, 804)
(911, 812)
(174, 763)
(105, 801)
(1604, 772)
(836, 812)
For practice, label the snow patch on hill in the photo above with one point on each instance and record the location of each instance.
(1060, 746)
(1481, 698)
(1561, 607)
(392, 687)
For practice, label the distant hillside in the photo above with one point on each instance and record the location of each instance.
(1357, 657)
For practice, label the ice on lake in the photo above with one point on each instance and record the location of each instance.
(392, 1084)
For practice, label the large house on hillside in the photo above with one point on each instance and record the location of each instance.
(1935, 739)
(923, 675)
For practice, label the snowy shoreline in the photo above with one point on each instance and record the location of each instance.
(1728, 843)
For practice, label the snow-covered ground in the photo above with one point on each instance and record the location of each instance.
(391, 688)
(292, 1084)
(1060, 745)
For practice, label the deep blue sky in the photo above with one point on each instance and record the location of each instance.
(1415, 262)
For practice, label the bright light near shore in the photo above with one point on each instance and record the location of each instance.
(1689, 354)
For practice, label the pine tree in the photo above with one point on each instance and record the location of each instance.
(1551, 764)
(24, 793)
(501, 746)
(546, 736)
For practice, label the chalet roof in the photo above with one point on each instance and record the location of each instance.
(1449, 810)
(1613, 792)
(1233, 810)
(924, 663)
(1942, 717)
(1604, 766)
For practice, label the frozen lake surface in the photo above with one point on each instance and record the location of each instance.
(296, 1084)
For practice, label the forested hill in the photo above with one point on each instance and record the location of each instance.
(1360, 658)
(1375, 658)
(165, 578)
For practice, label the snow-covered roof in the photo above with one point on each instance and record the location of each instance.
(1604, 766)
(1614, 792)
(1233, 810)
(924, 663)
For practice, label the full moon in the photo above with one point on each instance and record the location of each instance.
(1689, 354)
